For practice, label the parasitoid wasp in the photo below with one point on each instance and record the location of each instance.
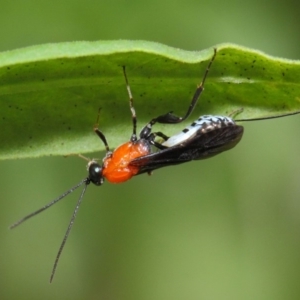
(209, 135)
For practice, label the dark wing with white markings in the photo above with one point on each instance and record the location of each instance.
(200, 146)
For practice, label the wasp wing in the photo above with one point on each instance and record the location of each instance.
(214, 142)
(200, 146)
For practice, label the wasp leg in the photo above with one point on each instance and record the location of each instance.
(170, 118)
(152, 141)
(100, 133)
(133, 113)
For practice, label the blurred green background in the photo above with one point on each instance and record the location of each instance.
(225, 228)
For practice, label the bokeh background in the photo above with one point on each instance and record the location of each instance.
(225, 228)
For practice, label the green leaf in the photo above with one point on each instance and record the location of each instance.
(50, 94)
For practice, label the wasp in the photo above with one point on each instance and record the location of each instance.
(207, 136)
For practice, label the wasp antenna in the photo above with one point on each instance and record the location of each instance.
(270, 117)
(86, 181)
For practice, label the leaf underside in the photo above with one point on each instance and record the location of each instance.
(50, 94)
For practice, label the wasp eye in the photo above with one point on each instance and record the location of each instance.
(95, 173)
